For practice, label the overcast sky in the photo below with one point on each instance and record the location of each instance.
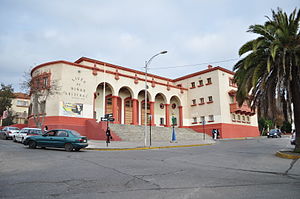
(128, 32)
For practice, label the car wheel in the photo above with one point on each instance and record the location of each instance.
(32, 144)
(69, 147)
(77, 149)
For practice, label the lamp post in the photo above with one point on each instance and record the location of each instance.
(147, 63)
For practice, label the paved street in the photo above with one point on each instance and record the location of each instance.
(228, 169)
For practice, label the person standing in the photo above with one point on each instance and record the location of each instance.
(108, 136)
(214, 134)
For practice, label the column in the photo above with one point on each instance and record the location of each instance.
(115, 109)
(134, 111)
(152, 113)
(167, 115)
(180, 117)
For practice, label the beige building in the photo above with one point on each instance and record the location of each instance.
(19, 108)
(88, 89)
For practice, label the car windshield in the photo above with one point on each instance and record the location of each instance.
(24, 131)
(75, 133)
(36, 131)
(13, 128)
(273, 131)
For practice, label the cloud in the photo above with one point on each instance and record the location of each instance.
(126, 32)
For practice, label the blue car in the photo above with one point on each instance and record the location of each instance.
(274, 133)
(58, 138)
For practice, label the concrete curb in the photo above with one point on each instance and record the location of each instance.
(144, 148)
(287, 155)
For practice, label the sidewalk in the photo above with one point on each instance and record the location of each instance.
(124, 145)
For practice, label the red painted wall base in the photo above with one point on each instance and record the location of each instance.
(229, 130)
(96, 131)
(86, 127)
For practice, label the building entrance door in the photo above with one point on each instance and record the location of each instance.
(143, 114)
(128, 111)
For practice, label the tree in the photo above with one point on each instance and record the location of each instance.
(286, 127)
(270, 70)
(264, 125)
(6, 95)
(9, 120)
(40, 88)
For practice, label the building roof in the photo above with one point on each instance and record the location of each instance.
(21, 96)
(78, 64)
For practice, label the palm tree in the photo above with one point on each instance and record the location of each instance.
(268, 76)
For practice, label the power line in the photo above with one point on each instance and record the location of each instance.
(189, 65)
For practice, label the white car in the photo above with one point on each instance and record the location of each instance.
(10, 132)
(25, 132)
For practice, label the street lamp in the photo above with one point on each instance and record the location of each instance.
(147, 63)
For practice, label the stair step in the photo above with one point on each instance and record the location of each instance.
(136, 133)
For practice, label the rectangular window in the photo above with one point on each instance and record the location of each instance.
(231, 99)
(232, 83)
(202, 100)
(194, 120)
(211, 118)
(243, 119)
(45, 82)
(200, 82)
(194, 102)
(22, 103)
(193, 85)
(208, 81)
(202, 118)
(233, 117)
(210, 99)
(162, 121)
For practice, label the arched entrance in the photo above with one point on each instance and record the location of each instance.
(144, 109)
(125, 94)
(175, 115)
(160, 109)
(101, 108)
(128, 109)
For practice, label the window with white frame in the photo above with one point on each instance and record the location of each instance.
(194, 119)
(211, 118)
(22, 103)
(202, 118)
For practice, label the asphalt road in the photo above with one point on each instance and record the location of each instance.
(228, 169)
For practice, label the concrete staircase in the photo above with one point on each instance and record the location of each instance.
(136, 133)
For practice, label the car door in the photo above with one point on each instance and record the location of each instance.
(61, 138)
(48, 139)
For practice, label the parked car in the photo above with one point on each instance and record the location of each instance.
(9, 132)
(2, 133)
(293, 138)
(274, 133)
(25, 132)
(58, 138)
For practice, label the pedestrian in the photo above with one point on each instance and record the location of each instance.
(218, 133)
(214, 134)
(108, 135)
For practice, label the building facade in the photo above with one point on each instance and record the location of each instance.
(19, 108)
(87, 89)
